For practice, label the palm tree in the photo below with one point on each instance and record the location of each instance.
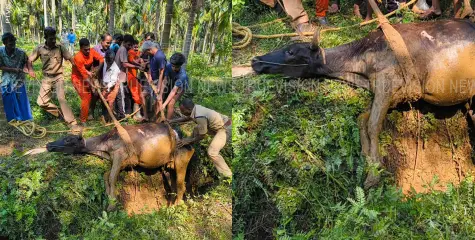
(5, 6)
(189, 29)
(45, 8)
(53, 13)
(6, 27)
(60, 17)
(167, 26)
(157, 17)
(110, 28)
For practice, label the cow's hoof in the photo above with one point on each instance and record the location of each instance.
(371, 181)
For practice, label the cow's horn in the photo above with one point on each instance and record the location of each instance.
(316, 39)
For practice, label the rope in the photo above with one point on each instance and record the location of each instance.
(247, 35)
(33, 130)
(28, 128)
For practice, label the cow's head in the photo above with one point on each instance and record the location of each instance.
(296, 60)
(71, 144)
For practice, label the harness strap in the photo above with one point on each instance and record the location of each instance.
(404, 59)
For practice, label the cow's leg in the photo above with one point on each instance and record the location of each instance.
(379, 108)
(363, 126)
(181, 164)
(114, 173)
(106, 181)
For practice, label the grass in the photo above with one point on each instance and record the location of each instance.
(51, 196)
(298, 168)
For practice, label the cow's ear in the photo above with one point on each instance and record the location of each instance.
(316, 40)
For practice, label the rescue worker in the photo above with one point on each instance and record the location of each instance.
(177, 83)
(52, 56)
(208, 122)
(81, 74)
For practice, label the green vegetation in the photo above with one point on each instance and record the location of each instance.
(298, 168)
(52, 195)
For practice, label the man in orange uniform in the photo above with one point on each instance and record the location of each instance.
(82, 72)
(133, 83)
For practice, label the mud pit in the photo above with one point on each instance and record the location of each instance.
(443, 150)
(143, 191)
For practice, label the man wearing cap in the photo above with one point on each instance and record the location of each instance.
(158, 63)
(208, 122)
(177, 83)
(52, 56)
(14, 63)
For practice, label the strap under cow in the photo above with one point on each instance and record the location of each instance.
(405, 61)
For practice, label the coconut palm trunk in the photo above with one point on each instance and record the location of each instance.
(157, 17)
(45, 9)
(189, 28)
(5, 9)
(73, 18)
(167, 26)
(60, 17)
(53, 13)
(111, 26)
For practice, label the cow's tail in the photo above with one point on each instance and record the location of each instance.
(171, 134)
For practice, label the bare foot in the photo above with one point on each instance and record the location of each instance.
(467, 10)
(430, 14)
(356, 10)
(334, 8)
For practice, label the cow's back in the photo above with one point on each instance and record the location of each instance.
(443, 53)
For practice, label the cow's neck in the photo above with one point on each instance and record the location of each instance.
(347, 65)
(96, 146)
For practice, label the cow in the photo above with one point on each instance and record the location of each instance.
(443, 54)
(153, 145)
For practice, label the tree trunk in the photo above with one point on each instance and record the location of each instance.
(60, 17)
(6, 7)
(53, 13)
(189, 29)
(157, 17)
(203, 47)
(177, 39)
(73, 18)
(167, 27)
(209, 44)
(45, 8)
(212, 45)
(111, 26)
(5, 10)
(192, 47)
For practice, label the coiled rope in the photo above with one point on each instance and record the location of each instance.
(33, 130)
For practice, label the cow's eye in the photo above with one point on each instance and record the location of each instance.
(290, 52)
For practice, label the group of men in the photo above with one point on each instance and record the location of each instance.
(111, 69)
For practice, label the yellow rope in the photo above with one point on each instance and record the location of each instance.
(33, 130)
(247, 35)
(29, 128)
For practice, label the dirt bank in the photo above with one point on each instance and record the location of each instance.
(420, 148)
